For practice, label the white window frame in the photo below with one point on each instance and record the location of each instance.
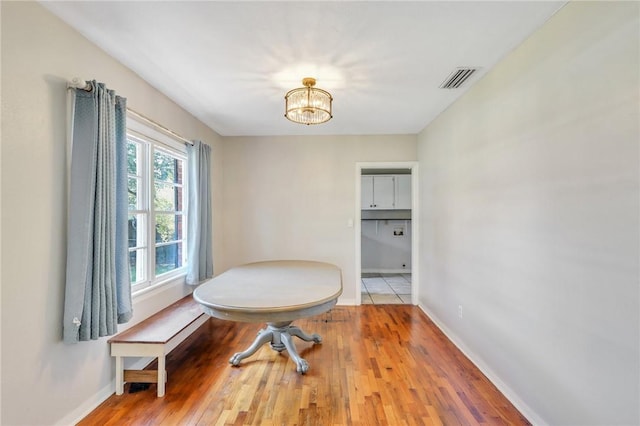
(156, 140)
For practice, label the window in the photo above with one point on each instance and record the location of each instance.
(157, 215)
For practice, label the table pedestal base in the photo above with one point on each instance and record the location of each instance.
(279, 335)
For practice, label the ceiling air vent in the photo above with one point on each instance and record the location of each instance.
(457, 77)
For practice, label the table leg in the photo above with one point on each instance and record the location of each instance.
(279, 335)
(296, 331)
(302, 366)
(263, 337)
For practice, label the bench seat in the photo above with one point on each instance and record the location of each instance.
(155, 337)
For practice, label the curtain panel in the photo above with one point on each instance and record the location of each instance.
(199, 236)
(98, 289)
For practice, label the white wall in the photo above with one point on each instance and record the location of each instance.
(383, 249)
(292, 197)
(529, 190)
(530, 210)
(43, 380)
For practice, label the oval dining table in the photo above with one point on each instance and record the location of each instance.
(274, 292)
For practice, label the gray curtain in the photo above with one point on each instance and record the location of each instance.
(98, 290)
(199, 238)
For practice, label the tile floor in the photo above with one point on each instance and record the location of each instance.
(382, 289)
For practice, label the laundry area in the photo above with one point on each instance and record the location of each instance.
(386, 236)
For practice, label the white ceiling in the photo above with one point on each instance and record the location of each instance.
(230, 63)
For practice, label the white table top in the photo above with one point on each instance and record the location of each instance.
(271, 290)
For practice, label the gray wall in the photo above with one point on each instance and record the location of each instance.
(529, 190)
(43, 380)
(292, 197)
(529, 215)
(382, 249)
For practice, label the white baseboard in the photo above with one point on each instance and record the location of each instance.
(95, 400)
(517, 402)
(174, 290)
(90, 404)
(386, 271)
(87, 406)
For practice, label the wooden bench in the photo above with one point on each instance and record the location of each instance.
(155, 337)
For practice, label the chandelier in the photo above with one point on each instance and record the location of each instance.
(308, 105)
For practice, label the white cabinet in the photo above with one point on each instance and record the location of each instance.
(403, 192)
(366, 190)
(378, 192)
(386, 192)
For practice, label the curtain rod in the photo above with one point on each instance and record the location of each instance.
(78, 83)
(158, 125)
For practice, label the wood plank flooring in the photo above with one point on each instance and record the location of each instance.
(377, 365)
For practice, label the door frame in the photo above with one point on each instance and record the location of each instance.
(415, 226)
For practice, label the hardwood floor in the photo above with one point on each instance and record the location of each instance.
(377, 365)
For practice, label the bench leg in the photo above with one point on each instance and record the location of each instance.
(161, 374)
(119, 376)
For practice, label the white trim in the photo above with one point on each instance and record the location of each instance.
(98, 398)
(87, 406)
(415, 223)
(415, 235)
(144, 130)
(347, 302)
(508, 393)
(151, 141)
(159, 286)
(155, 125)
(358, 234)
(386, 271)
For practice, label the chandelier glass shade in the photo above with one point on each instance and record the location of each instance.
(308, 105)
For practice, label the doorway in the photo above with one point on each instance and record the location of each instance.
(386, 232)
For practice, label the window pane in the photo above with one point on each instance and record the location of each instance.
(133, 231)
(137, 229)
(132, 157)
(132, 189)
(168, 258)
(132, 266)
(167, 197)
(136, 266)
(154, 167)
(179, 198)
(166, 168)
(168, 228)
